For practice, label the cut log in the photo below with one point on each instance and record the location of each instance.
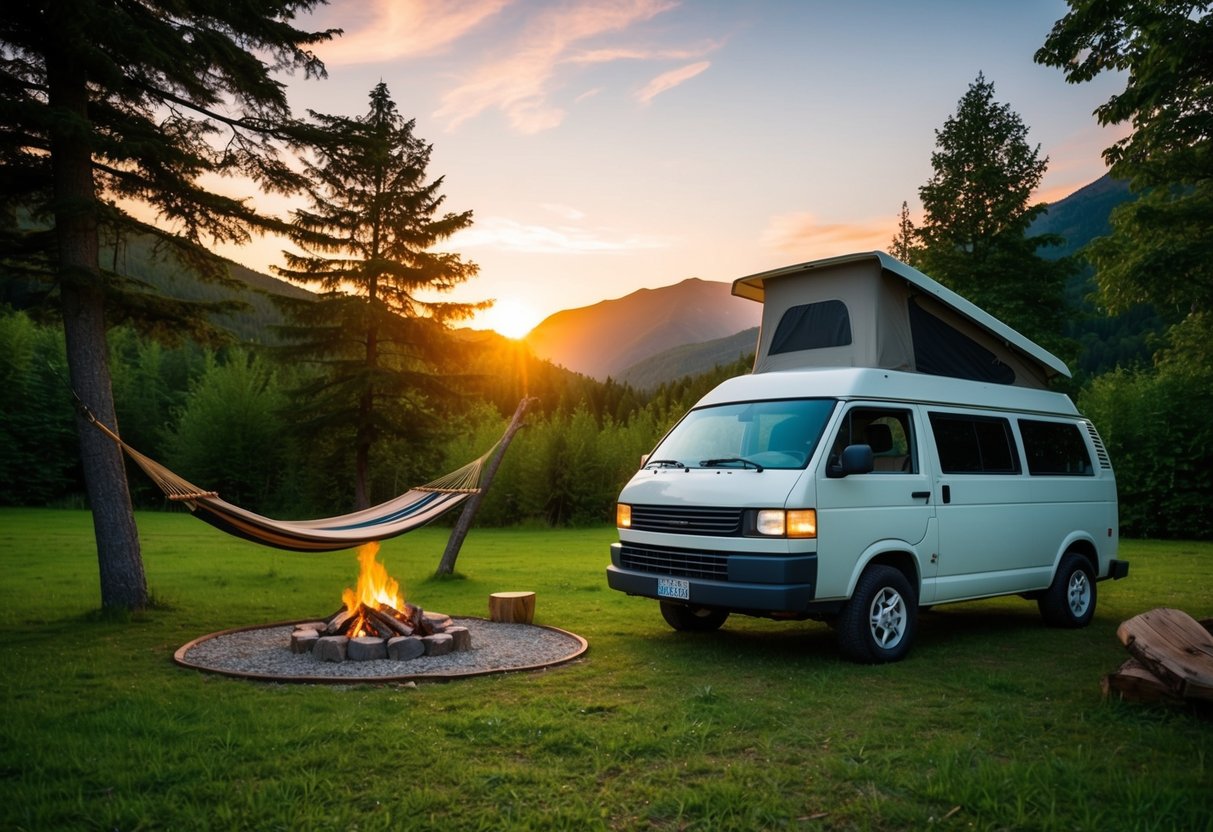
(1133, 682)
(337, 622)
(512, 607)
(1175, 648)
(388, 625)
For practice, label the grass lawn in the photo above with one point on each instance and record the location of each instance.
(993, 722)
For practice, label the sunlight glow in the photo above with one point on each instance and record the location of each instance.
(511, 317)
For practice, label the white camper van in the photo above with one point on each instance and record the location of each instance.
(894, 448)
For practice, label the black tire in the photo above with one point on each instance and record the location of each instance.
(692, 619)
(1069, 601)
(879, 622)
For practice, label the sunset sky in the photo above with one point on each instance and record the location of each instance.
(612, 145)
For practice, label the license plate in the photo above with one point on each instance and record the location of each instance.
(674, 588)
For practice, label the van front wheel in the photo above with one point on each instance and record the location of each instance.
(877, 625)
(692, 619)
(1070, 599)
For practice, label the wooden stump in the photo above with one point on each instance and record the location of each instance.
(512, 607)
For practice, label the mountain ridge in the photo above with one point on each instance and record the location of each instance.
(606, 338)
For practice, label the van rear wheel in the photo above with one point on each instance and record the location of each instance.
(1070, 600)
(878, 624)
(692, 619)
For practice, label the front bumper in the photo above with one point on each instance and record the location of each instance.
(756, 584)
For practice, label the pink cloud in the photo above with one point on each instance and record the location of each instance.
(668, 80)
(520, 83)
(802, 236)
(385, 30)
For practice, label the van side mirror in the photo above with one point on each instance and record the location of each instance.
(856, 459)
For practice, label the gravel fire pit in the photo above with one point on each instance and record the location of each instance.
(265, 653)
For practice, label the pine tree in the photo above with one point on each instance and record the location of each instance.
(904, 245)
(367, 238)
(977, 214)
(133, 101)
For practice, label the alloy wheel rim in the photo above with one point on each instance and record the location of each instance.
(888, 618)
(1079, 593)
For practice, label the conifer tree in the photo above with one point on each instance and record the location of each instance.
(904, 245)
(133, 101)
(367, 240)
(977, 214)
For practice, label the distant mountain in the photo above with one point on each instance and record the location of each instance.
(607, 338)
(1082, 216)
(690, 360)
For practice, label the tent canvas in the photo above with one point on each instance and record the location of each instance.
(872, 310)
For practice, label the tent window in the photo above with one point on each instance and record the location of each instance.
(812, 326)
(942, 350)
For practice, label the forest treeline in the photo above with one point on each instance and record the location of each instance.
(223, 419)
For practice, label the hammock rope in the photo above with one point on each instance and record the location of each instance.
(411, 510)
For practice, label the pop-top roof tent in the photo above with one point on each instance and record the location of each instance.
(872, 310)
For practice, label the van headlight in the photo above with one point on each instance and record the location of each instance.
(623, 515)
(778, 522)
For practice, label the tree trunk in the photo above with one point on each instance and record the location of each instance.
(123, 583)
(464, 524)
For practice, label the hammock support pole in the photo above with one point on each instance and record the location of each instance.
(464, 524)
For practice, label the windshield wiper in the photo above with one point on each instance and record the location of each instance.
(665, 463)
(725, 460)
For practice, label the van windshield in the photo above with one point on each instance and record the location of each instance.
(767, 434)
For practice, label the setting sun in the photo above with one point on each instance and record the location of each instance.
(511, 318)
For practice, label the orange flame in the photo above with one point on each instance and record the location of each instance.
(375, 586)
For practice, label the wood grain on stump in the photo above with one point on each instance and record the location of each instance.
(512, 607)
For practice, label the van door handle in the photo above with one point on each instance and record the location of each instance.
(947, 493)
(922, 495)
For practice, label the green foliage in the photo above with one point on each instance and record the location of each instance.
(227, 437)
(977, 213)
(37, 439)
(1160, 249)
(1157, 431)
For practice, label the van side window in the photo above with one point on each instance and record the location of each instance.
(812, 326)
(1055, 449)
(974, 444)
(888, 432)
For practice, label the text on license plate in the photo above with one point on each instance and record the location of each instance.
(674, 588)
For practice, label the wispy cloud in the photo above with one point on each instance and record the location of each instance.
(522, 81)
(668, 80)
(803, 236)
(384, 30)
(505, 234)
(567, 212)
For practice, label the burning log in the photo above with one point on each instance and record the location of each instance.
(386, 623)
(376, 623)
(337, 624)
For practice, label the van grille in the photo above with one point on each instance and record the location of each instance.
(1100, 451)
(682, 563)
(720, 522)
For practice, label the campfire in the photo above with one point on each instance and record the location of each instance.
(375, 622)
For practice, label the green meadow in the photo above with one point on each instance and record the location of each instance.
(994, 722)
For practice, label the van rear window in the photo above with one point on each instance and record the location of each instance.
(1055, 449)
(974, 444)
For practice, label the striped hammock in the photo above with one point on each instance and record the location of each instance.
(409, 511)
